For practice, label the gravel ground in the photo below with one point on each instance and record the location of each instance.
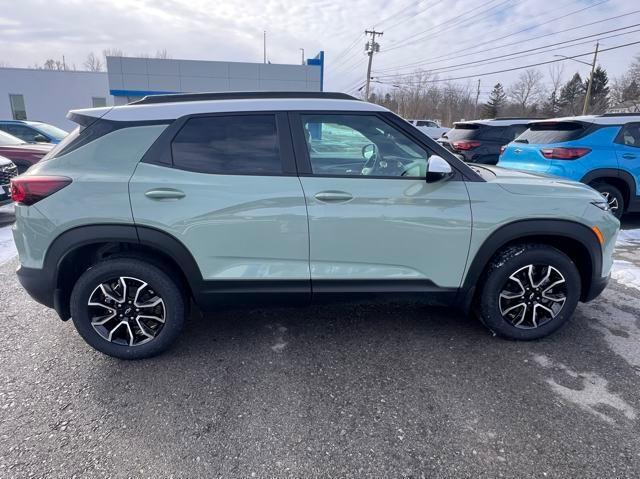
(334, 391)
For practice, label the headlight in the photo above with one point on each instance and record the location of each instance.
(603, 205)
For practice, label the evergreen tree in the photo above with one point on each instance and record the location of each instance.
(572, 96)
(551, 107)
(599, 101)
(497, 101)
(631, 91)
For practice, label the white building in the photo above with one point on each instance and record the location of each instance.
(47, 95)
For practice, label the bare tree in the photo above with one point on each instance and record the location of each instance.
(4, 64)
(113, 52)
(93, 63)
(51, 64)
(527, 89)
(163, 54)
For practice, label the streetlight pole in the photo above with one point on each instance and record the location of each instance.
(587, 98)
(302, 50)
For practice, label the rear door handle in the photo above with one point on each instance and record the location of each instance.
(628, 156)
(333, 196)
(164, 194)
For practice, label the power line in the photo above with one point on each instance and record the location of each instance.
(453, 54)
(411, 16)
(456, 20)
(499, 58)
(348, 49)
(437, 80)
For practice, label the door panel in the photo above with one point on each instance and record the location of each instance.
(372, 214)
(628, 151)
(235, 226)
(390, 229)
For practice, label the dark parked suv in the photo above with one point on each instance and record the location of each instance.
(480, 141)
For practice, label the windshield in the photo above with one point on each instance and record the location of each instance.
(552, 132)
(9, 140)
(465, 131)
(51, 131)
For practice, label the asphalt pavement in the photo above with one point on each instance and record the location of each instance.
(334, 391)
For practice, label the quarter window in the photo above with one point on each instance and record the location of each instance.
(228, 145)
(18, 109)
(361, 145)
(630, 135)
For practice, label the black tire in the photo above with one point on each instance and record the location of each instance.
(613, 196)
(497, 277)
(173, 307)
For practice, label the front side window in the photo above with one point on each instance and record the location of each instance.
(228, 145)
(18, 109)
(9, 140)
(361, 145)
(23, 132)
(631, 135)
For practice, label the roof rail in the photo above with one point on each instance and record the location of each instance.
(619, 114)
(248, 95)
(518, 118)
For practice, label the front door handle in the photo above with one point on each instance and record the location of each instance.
(164, 194)
(628, 156)
(333, 196)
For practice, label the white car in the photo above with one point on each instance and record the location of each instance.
(429, 127)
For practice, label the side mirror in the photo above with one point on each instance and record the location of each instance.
(41, 139)
(438, 169)
(369, 151)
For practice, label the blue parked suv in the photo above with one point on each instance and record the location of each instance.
(602, 151)
(33, 131)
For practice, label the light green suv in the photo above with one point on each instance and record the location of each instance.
(288, 198)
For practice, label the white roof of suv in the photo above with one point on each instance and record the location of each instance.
(169, 107)
(606, 119)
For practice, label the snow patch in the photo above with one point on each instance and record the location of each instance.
(7, 247)
(594, 392)
(628, 238)
(626, 273)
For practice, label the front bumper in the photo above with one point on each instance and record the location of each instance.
(5, 195)
(598, 285)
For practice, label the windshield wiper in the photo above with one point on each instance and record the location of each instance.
(524, 140)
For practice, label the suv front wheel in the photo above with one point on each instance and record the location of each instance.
(613, 196)
(127, 308)
(529, 291)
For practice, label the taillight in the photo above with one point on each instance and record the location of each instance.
(28, 190)
(465, 145)
(502, 148)
(564, 153)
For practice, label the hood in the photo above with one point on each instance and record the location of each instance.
(535, 184)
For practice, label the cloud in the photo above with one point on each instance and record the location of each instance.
(33, 30)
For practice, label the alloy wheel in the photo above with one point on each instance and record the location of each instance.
(533, 296)
(126, 311)
(611, 200)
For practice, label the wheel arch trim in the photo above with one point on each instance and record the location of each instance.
(521, 230)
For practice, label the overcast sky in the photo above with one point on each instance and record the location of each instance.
(417, 34)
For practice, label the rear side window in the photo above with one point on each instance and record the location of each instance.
(552, 132)
(228, 145)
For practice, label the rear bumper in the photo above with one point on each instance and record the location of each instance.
(598, 285)
(38, 284)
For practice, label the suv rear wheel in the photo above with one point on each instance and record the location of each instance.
(127, 308)
(613, 196)
(529, 291)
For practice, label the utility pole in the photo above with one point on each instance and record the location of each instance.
(264, 46)
(475, 110)
(302, 50)
(371, 48)
(587, 98)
